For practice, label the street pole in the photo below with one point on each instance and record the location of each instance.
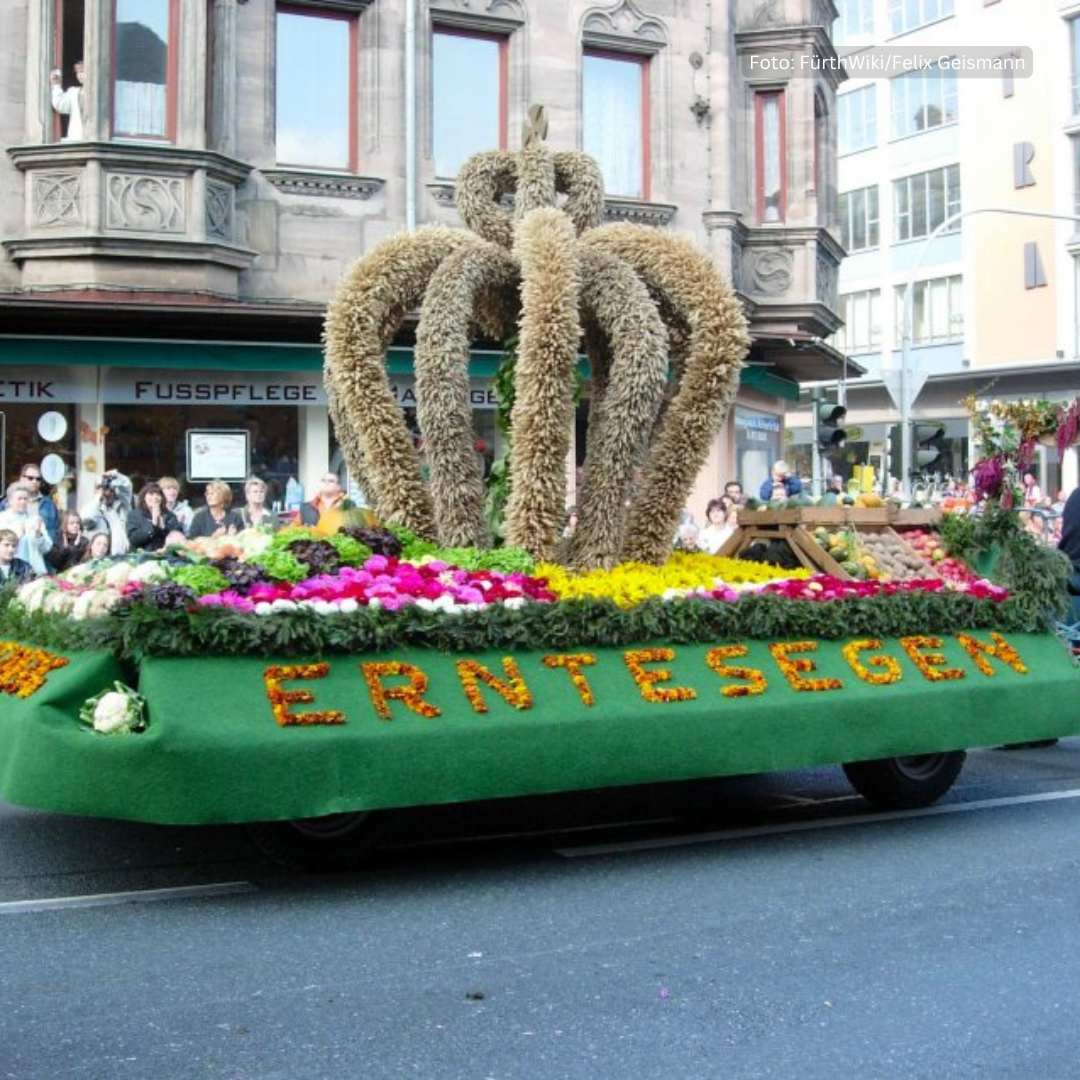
(910, 386)
(815, 445)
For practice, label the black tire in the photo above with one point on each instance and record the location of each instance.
(902, 783)
(325, 844)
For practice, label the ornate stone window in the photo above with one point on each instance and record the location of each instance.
(144, 69)
(770, 156)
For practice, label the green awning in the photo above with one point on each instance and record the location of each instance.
(223, 356)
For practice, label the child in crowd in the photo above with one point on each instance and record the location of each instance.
(13, 571)
(98, 547)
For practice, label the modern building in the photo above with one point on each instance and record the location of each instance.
(994, 296)
(174, 224)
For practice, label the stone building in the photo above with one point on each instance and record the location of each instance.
(174, 225)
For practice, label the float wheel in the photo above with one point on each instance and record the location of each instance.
(901, 783)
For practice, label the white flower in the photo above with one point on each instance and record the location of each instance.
(262, 608)
(349, 605)
(78, 574)
(149, 571)
(426, 604)
(61, 603)
(515, 603)
(283, 605)
(32, 595)
(118, 574)
(112, 713)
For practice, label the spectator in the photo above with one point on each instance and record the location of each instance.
(98, 546)
(32, 538)
(108, 511)
(571, 523)
(254, 513)
(781, 478)
(13, 570)
(686, 539)
(180, 508)
(721, 516)
(149, 523)
(71, 546)
(215, 518)
(40, 503)
(1070, 545)
(1032, 494)
(733, 490)
(330, 496)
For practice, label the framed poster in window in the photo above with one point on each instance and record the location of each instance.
(218, 454)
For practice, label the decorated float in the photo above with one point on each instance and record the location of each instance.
(308, 679)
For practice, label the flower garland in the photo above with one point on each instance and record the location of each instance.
(890, 672)
(931, 664)
(23, 669)
(755, 680)
(573, 663)
(792, 670)
(647, 680)
(1000, 649)
(514, 691)
(281, 699)
(823, 587)
(411, 695)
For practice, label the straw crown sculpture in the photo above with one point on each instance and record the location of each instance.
(664, 333)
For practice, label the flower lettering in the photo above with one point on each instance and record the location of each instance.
(24, 669)
(514, 691)
(281, 699)
(647, 680)
(889, 670)
(573, 663)
(410, 695)
(754, 680)
(999, 648)
(793, 670)
(931, 664)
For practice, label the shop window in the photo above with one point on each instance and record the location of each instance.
(861, 312)
(921, 101)
(316, 80)
(757, 446)
(39, 434)
(466, 67)
(615, 112)
(145, 35)
(923, 201)
(67, 51)
(859, 225)
(770, 155)
(937, 310)
(856, 115)
(905, 15)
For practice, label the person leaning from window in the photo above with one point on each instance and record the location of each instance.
(13, 570)
(71, 547)
(40, 503)
(29, 529)
(254, 512)
(780, 477)
(331, 496)
(149, 523)
(170, 487)
(108, 511)
(215, 518)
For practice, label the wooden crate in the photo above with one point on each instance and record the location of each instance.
(916, 518)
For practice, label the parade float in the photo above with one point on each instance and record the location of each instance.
(307, 679)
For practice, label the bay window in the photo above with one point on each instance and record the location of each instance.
(145, 34)
(770, 156)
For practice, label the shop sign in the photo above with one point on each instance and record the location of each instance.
(40, 389)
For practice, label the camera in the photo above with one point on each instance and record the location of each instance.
(107, 481)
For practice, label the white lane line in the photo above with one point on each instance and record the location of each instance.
(136, 896)
(808, 826)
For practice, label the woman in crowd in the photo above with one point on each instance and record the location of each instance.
(722, 515)
(180, 508)
(254, 512)
(71, 546)
(149, 521)
(98, 546)
(215, 518)
(331, 496)
(13, 570)
(34, 539)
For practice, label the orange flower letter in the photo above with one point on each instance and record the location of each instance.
(931, 664)
(1000, 650)
(889, 669)
(647, 680)
(411, 695)
(23, 669)
(281, 699)
(755, 680)
(792, 669)
(574, 662)
(513, 691)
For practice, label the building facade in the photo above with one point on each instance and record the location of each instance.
(994, 295)
(186, 181)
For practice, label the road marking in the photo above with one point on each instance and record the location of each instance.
(808, 826)
(135, 896)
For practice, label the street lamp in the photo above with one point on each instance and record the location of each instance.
(907, 384)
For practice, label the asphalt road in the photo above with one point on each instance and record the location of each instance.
(760, 927)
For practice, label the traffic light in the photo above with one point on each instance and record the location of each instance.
(830, 435)
(929, 442)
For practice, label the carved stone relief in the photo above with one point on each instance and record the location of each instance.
(821, 14)
(146, 203)
(625, 20)
(769, 13)
(768, 271)
(219, 211)
(736, 266)
(502, 9)
(828, 274)
(56, 199)
(637, 212)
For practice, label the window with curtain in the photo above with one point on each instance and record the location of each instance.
(937, 310)
(859, 224)
(923, 201)
(144, 72)
(921, 101)
(466, 68)
(316, 89)
(856, 114)
(770, 152)
(615, 120)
